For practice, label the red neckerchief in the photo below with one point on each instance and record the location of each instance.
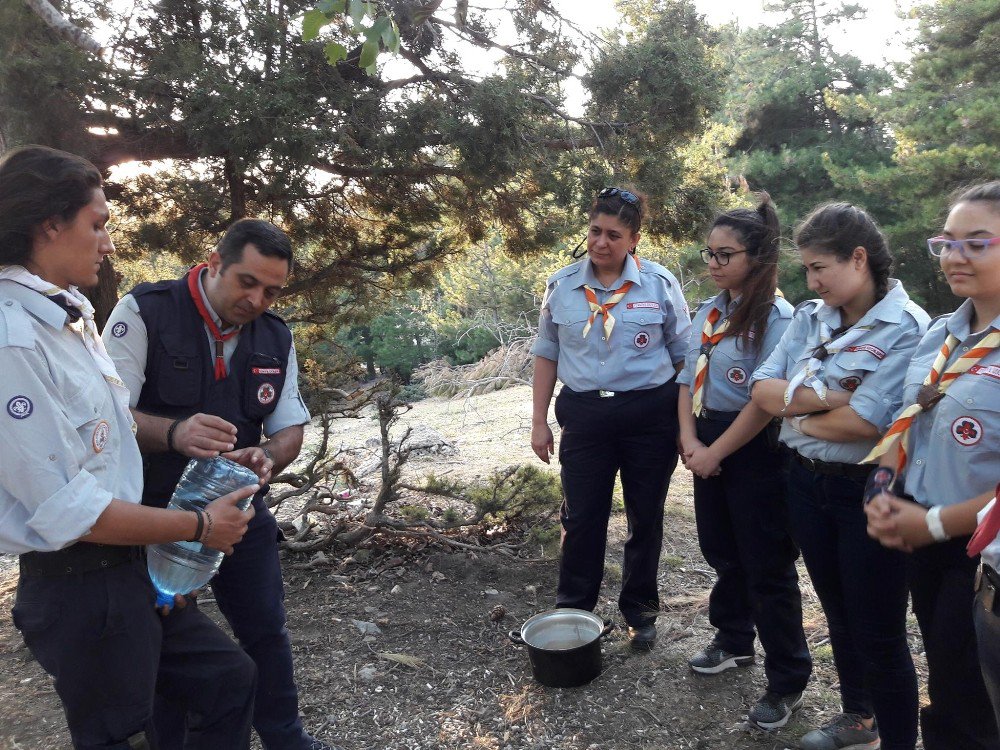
(219, 336)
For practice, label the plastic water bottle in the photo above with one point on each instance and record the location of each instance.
(182, 567)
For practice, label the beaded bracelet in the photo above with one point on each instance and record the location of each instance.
(208, 529)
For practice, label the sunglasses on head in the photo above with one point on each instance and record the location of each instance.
(610, 192)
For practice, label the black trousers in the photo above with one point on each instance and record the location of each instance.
(862, 587)
(250, 593)
(634, 433)
(743, 532)
(960, 715)
(99, 636)
(986, 615)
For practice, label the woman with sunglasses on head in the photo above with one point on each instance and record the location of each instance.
(836, 377)
(730, 444)
(614, 329)
(943, 452)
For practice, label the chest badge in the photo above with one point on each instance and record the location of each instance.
(118, 330)
(967, 430)
(850, 383)
(736, 375)
(641, 340)
(100, 437)
(20, 407)
(266, 393)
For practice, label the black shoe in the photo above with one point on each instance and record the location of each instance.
(773, 711)
(714, 659)
(642, 637)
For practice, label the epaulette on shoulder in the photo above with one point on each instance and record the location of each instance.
(562, 273)
(15, 326)
(148, 287)
(784, 307)
(808, 305)
(651, 266)
(702, 304)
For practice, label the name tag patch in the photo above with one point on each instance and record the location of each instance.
(736, 375)
(119, 329)
(990, 371)
(641, 340)
(100, 437)
(20, 407)
(868, 349)
(266, 393)
(967, 430)
(642, 306)
(266, 370)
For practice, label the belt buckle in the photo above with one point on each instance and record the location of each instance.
(606, 394)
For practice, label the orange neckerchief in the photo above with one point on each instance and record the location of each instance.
(709, 338)
(597, 309)
(219, 336)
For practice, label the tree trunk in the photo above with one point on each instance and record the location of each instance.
(58, 22)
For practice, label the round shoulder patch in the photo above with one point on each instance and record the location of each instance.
(850, 383)
(119, 329)
(967, 430)
(20, 407)
(641, 340)
(266, 393)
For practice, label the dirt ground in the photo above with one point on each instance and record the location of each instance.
(440, 673)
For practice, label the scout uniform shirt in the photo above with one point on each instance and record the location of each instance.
(651, 331)
(954, 449)
(730, 364)
(67, 450)
(872, 367)
(127, 342)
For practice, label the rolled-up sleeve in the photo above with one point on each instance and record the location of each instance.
(49, 499)
(547, 342)
(127, 342)
(879, 396)
(677, 332)
(291, 409)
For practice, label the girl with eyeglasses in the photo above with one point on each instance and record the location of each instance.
(730, 445)
(836, 378)
(940, 462)
(613, 328)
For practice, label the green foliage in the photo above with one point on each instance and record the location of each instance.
(378, 29)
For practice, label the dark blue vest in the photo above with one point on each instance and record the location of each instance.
(180, 377)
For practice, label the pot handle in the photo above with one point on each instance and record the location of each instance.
(609, 625)
(515, 637)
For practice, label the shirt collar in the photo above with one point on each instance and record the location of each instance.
(208, 305)
(585, 275)
(959, 323)
(43, 308)
(888, 309)
(724, 303)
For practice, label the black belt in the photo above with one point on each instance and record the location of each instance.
(987, 586)
(833, 469)
(718, 416)
(612, 394)
(81, 557)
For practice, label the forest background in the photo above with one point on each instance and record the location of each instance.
(429, 195)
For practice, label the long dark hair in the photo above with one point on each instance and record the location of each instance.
(38, 183)
(838, 228)
(759, 231)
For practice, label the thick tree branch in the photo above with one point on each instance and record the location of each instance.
(62, 26)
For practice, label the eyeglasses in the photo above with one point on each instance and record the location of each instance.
(722, 257)
(610, 192)
(969, 248)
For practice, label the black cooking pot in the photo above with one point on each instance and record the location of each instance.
(564, 645)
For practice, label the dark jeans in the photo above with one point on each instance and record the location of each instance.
(251, 595)
(960, 714)
(743, 533)
(634, 433)
(862, 587)
(109, 650)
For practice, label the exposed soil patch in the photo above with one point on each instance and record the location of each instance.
(441, 673)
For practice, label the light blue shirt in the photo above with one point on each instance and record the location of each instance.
(652, 327)
(67, 450)
(872, 367)
(727, 385)
(954, 449)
